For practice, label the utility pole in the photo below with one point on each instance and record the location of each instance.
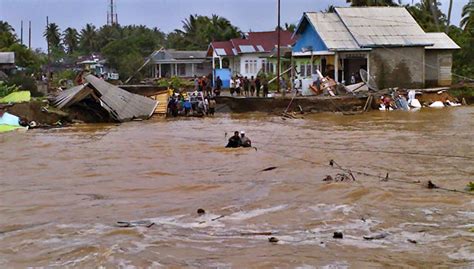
(48, 76)
(29, 35)
(278, 51)
(21, 32)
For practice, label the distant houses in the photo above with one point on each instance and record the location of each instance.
(184, 64)
(387, 42)
(254, 53)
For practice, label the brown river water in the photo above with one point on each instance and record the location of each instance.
(62, 192)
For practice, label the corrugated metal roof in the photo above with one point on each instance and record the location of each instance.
(333, 32)
(383, 26)
(122, 105)
(441, 41)
(7, 57)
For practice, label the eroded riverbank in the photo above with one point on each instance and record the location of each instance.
(63, 190)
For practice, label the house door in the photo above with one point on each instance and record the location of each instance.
(352, 67)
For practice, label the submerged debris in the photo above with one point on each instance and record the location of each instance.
(376, 236)
(412, 241)
(269, 169)
(201, 211)
(129, 224)
(273, 240)
(431, 185)
(338, 235)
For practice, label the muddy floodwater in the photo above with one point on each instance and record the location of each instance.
(62, 192)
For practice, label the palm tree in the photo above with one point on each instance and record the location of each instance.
(7, 35)
(467, 21)
(52, 35)
(71, 39)
(88, 38)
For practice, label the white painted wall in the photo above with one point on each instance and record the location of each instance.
(253, 58)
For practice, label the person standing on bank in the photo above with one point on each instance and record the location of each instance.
(258, 84)
(217, 90)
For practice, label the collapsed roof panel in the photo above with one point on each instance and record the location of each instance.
(121, 105)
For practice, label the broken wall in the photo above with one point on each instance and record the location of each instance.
(398, 67)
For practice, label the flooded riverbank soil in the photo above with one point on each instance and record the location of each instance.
(64, 190)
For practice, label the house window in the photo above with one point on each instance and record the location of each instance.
(246, 68)
(200, 66)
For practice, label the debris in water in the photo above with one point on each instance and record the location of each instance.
(412, 241)
(273, 240)
(431, 185)
(338, 235)
(269, 168)
(201, 211)
(328, 178)
(376, 236)
(129, 224)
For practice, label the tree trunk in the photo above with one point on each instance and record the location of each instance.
(449, 16)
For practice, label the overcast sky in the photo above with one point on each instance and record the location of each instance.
(255, 15)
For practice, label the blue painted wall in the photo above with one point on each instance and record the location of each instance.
(224, 74)
(309, 37)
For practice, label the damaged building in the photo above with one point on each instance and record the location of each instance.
(387, 42)
(106, 102)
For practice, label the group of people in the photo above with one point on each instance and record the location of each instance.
(248, 87)
(192, 104)
(236, 141)
(204, 84)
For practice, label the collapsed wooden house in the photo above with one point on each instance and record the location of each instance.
(120, 104)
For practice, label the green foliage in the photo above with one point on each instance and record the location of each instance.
(24, 83)
(71, 40)
(7, 35)
(61, 77)
(124, 56)
(175, 83)
(470, 187)
(88, 40)
(198, 31)
(6, 89)
(428, 15)
(53, 36)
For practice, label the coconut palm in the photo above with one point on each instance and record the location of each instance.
(71, 40)
(52, 35)
(7, 35)
(88, 38)
(467, 21)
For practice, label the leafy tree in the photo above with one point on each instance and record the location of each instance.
(88, 39)
(290, 27)
(52, 35)
(428, 15)
(7, 35)
(124, 56)
(71, 40)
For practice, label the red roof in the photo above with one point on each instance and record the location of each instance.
(255, 42)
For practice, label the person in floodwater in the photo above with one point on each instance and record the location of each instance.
(234, 141)
(245, 141)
